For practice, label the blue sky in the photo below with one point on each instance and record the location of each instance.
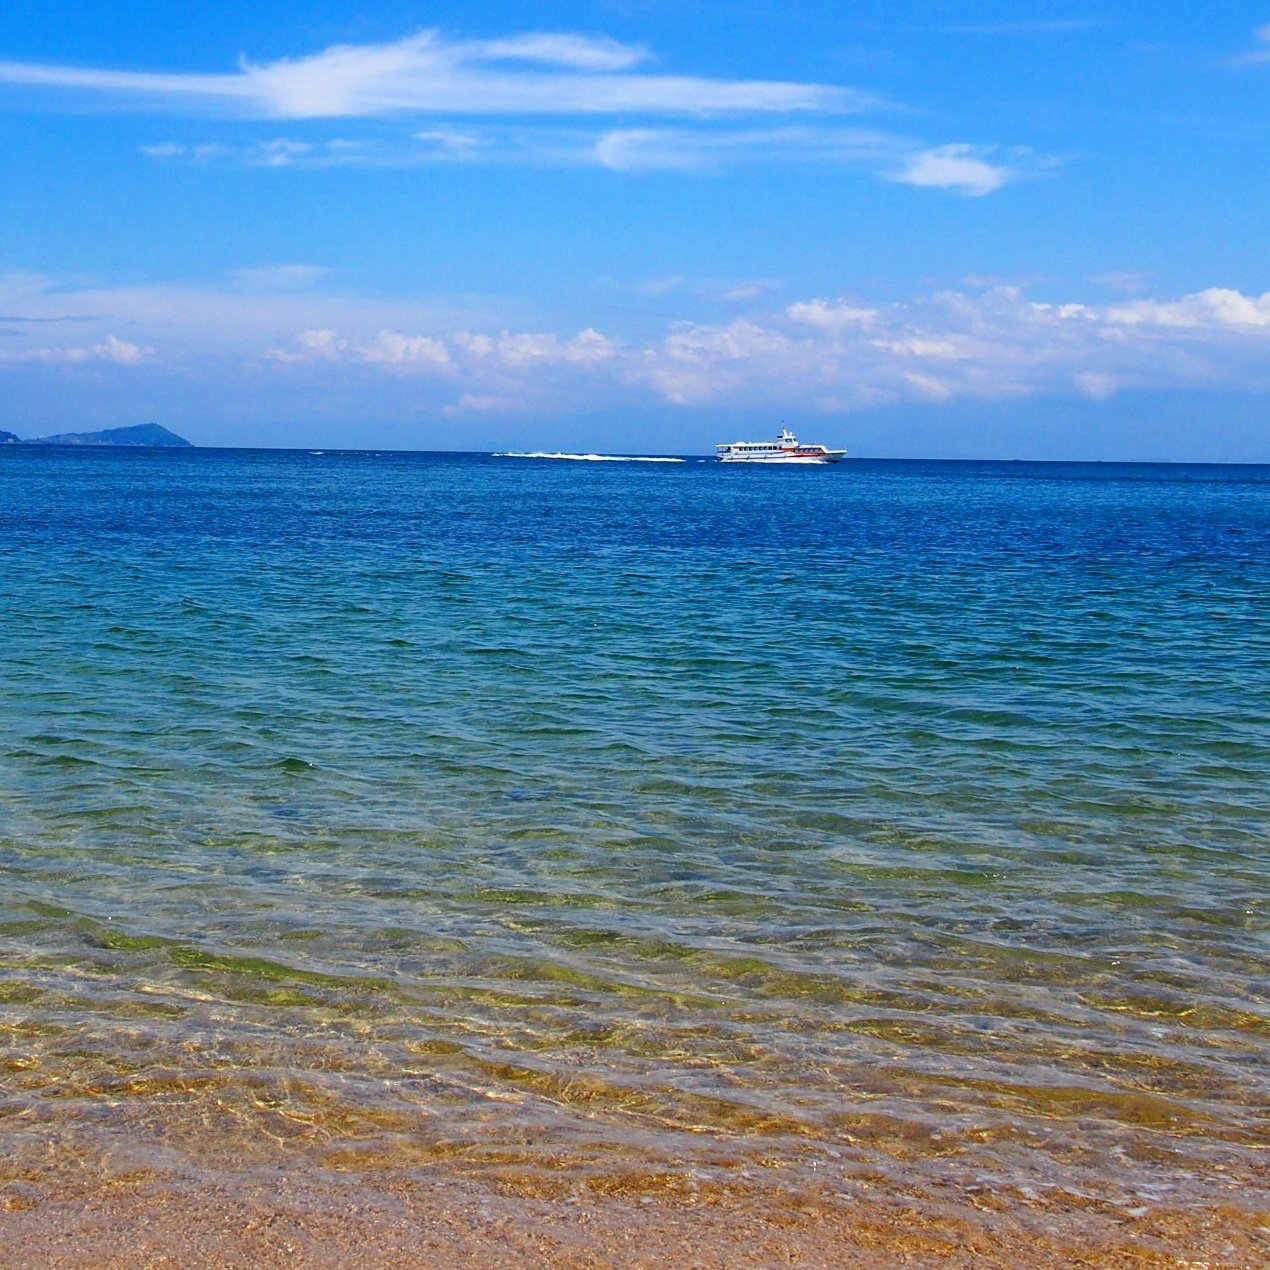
(974, 229)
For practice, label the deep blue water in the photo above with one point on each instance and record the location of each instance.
(896, 816)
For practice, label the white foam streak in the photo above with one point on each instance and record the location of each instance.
(585, 458)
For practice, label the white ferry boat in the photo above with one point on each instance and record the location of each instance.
(785, 449)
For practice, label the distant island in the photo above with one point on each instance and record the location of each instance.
(140, 434)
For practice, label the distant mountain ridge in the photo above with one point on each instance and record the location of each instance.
(151, 434)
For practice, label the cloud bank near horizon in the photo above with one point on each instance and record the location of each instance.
(821, 354)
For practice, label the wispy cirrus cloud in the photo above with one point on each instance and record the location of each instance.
(431, 74)
(632, 150)
(520, 99)
(688, 149)
(282, 152)
(973, 171)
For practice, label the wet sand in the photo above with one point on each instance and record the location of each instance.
(444, 1221)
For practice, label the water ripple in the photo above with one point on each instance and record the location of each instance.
(431, 808)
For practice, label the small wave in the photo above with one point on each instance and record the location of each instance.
(585, 458)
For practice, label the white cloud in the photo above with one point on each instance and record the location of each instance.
(660, 286)
(697, 363)
(387, 348)
(832, 315)
(311, 346)
(746, 292)
(1098, 386)
(956, 345)
(1261, 37)
(450, 142)
(1216, 307)
(584, 53)
(715, 149)
(507, 351)
(519, 351)
(287, 152)
(391, 348)
(927, 387)
(531, 77)
(208, 331)
(818, 353)
(164, 150)
(645, 150)
(705, 147)
(429, 76)
(115, 351)
(427, 73)
(120, 352)
(963, 168)
(172, 150)
(283, 152)
(926, 346)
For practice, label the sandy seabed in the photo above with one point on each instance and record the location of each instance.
(386, 1220)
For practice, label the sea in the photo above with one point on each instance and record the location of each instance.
(888, 825)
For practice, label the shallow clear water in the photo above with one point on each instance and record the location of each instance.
(891, 820)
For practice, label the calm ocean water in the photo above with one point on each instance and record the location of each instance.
(898, 823)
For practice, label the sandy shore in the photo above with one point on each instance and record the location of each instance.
(386, 1221)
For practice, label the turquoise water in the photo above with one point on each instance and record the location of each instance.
(897, 822)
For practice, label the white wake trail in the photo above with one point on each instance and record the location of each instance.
(584, 458)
